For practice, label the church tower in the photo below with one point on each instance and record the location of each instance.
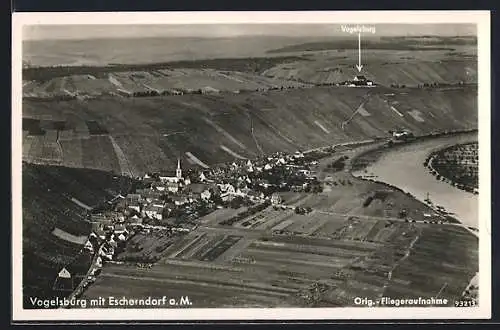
(178, 172)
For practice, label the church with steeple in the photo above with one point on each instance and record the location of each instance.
(175, 183)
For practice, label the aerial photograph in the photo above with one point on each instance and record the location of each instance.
(250, 166)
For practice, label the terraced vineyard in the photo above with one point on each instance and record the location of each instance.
(459, 164)
(215, 128)
(153, 83)
(55, 201)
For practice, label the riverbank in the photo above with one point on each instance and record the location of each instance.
(403, 167)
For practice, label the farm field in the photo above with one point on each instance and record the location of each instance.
(339, 251)
(156, 130)
(253, 269)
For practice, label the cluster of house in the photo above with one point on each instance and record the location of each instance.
(99, 246)
(359, 81)
(163, 195)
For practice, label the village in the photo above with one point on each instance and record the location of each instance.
(135, 228)
(165, 206)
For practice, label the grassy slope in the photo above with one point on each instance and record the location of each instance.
(46, 204)
(281, 120)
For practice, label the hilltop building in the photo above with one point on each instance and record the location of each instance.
(359, 80)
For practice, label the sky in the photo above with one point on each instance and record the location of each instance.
(76, 32)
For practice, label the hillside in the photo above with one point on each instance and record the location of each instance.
(384, 67)
(255, 64)
(135, 135)
(292, 70)
(392, 43)
(58, 197)
(91, 82)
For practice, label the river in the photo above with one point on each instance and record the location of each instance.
(403, 167)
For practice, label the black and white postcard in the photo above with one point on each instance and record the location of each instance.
(251, 165)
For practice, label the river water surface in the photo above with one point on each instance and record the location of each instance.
(403, 167)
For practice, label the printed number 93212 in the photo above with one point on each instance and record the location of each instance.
(465, 303)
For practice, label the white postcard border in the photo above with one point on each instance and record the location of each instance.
(481, 18)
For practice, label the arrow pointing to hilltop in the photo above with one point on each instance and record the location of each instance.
(359, 66)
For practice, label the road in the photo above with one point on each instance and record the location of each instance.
(79, 289)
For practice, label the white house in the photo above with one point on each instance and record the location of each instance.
(275, 199)
(158, 203)
(226, 197)
(179, 200)
(112, 241)
(135, 220)
(98, 262)
(249, 166)
(120, 229)
(206, 194)
(298, 154)
(107, 253)
(100, 233)
(305, 172)
(255, 195)
(135, 207)
(173, 187)
(88, 246)
(64, 273)
(227, 188)
(134, 198)
(154, 212)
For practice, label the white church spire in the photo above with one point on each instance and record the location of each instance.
(178, 172)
